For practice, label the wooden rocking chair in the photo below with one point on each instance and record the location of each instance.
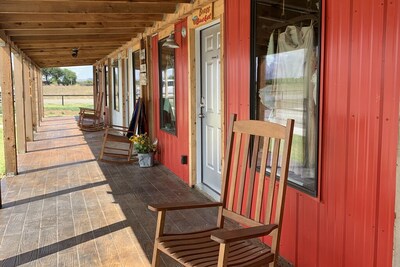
(253, 208)
(90, 119)
(116, 143)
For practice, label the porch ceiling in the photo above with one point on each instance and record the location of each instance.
(48, 30)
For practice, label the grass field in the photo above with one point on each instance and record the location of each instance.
(53, 105)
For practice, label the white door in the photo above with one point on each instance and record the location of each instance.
(210, 108)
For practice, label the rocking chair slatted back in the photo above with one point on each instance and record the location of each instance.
(243, 194)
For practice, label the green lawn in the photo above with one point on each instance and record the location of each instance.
(56, 110)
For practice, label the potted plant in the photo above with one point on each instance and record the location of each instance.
(145, 148)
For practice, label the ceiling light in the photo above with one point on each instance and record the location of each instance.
(170, 42)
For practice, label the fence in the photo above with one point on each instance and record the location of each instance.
(63, 97)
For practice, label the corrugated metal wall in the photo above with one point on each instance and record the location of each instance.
(173, 146)
(352, 222)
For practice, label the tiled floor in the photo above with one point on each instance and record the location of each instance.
(67, 209)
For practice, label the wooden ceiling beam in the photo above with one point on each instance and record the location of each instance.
(33, 17)
(75, 32)
(69, 39)
(119, 1)
(69, 48)
(39, 26)
(66, 63)
(65, 7)
(67, 53)
(80, 44)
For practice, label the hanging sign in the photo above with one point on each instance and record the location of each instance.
(203, 15)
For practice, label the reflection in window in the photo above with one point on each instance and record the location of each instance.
(286, 78)
(167, 87)
(136, 75)
(116, 87)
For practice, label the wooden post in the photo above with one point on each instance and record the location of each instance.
(28, 101)
(110, 88)
(10, 151)
(34, 98)
(40, 96)
(94, 87)
(19, 104)
(147, 89)
(124, 89)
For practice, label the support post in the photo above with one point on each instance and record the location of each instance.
(39, 95)
(110, 89)
(34, 98)
(124, 91)
(19, 104)
(94, 86)
(28, 101)
(10, 151)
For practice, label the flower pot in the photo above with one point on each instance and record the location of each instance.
(146, 159)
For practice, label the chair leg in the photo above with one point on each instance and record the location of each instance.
(156, 256)
(104, 144)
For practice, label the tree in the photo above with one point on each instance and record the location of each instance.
(59, 76)
(46, 75)
(69, 77)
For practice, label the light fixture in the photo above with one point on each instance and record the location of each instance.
(170, 42)
(75, 51)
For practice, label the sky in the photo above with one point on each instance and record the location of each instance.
(82, 72)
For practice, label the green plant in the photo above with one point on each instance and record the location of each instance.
(143, 144)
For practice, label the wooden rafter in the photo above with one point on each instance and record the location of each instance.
(68, 7)
(47, 30)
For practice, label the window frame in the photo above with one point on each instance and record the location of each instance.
(106, 69)
(254, 96)
(115, 72)
(162, 128)
(136, 82)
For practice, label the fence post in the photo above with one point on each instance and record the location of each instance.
(62, 100)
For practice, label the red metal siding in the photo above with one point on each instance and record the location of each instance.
(173, 146)
(352, 222)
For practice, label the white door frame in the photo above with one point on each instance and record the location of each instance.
(199, 184)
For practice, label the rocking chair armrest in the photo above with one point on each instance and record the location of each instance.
(112, 126)
(183, 205)
(81, 109)
(227, 236)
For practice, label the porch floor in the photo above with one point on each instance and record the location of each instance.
(67, 209)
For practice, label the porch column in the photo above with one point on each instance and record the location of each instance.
(28, 101)
(94, 87)
(34, 98)
(110, 89)
(19, 104)
(10, 152)
(39, 95)
(124, 90)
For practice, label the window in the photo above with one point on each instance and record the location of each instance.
(136, 75)
(167, 87)
(116, 86)
(106, 85)
(285, 80)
